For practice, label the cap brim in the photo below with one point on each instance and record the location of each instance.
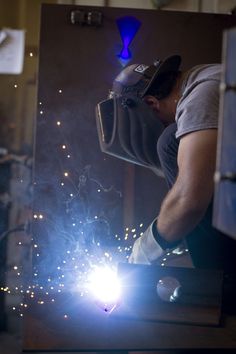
(168, 65)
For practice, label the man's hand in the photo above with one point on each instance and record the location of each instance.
(151, 247)
(146, 249)
(187, 201)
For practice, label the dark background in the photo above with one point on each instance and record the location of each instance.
(82, 62)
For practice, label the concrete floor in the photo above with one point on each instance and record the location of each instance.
(11, 338)
(10, 343)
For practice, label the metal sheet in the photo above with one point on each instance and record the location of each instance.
(225, 190)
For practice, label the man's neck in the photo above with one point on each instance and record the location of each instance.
(175, 96)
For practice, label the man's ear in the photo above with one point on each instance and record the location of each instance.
(152, 101)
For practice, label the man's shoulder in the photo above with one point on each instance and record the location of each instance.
(199, 104)
(201, 73)
(201, 80)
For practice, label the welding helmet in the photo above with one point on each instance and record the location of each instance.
(127, 127)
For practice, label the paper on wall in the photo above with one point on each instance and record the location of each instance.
(12, 47)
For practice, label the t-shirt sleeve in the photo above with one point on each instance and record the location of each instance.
(199, 110)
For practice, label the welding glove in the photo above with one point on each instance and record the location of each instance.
(146, 249)
(150, 246)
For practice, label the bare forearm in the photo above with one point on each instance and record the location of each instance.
(187, 201)
(178, 216)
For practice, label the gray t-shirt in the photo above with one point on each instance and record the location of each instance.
(198, 107)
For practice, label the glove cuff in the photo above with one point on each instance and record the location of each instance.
(165, 245)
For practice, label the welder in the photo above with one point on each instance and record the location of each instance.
(167, 119)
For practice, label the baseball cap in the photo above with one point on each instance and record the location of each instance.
(137, 79)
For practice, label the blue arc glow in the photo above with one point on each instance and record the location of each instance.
(104, 285)
(128, 27)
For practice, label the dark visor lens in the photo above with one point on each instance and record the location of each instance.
(105, 117)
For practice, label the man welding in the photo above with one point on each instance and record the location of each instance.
(175, 116)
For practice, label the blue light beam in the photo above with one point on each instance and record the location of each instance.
(128, 27)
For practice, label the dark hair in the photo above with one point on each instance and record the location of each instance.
(163, 86)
